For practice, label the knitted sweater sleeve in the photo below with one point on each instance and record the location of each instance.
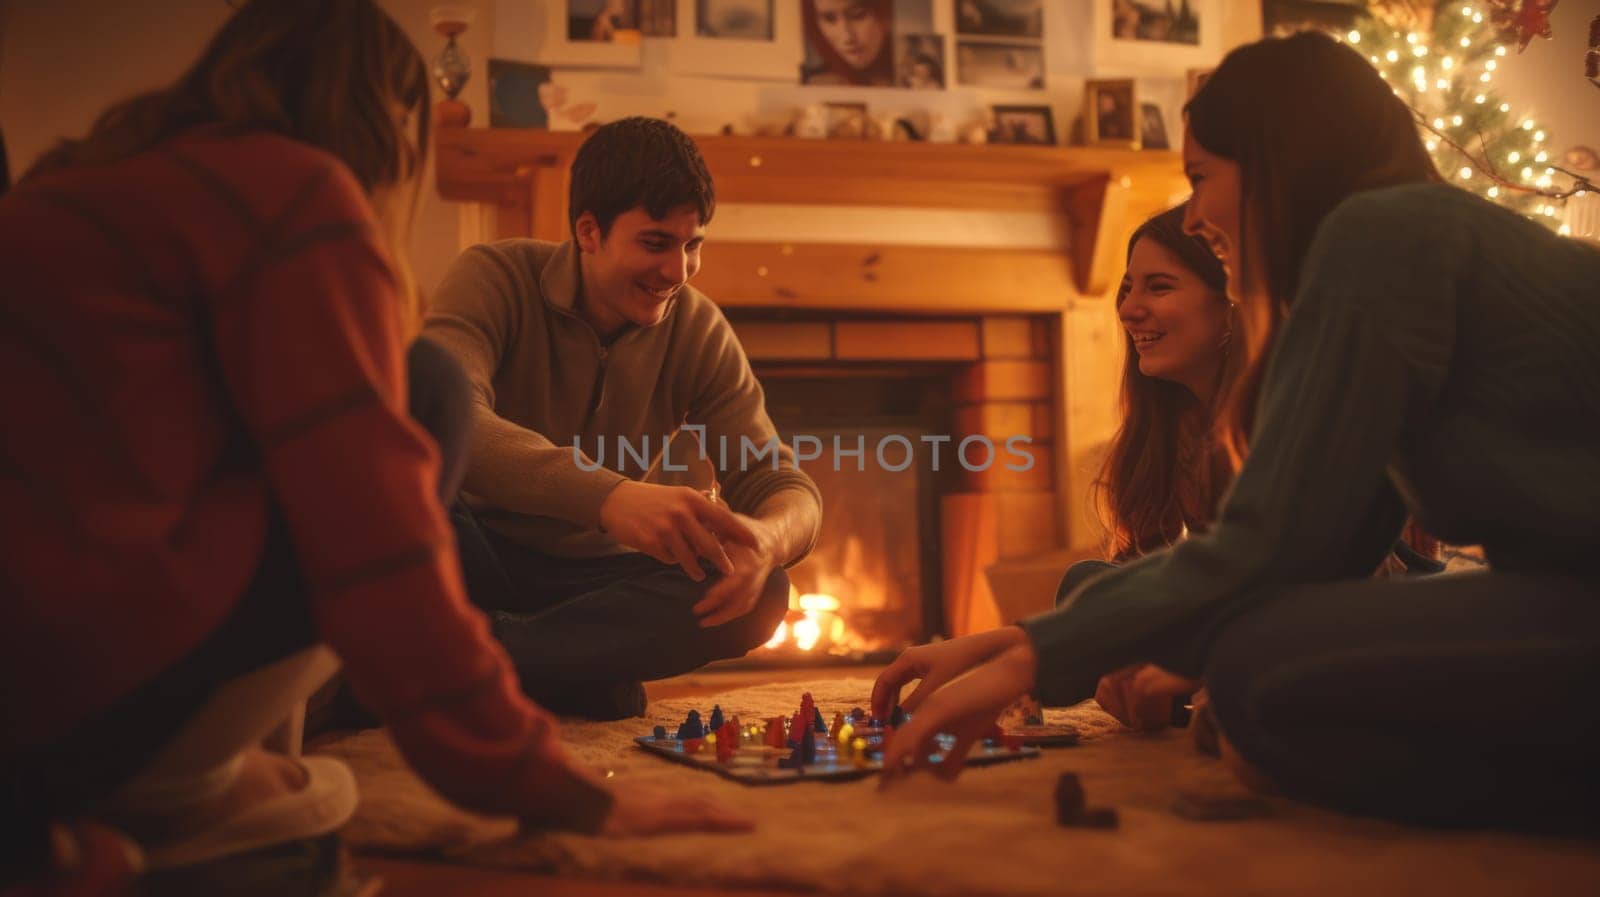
(313, 357)
(1368, 338)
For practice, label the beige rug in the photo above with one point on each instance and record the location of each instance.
(992, 832)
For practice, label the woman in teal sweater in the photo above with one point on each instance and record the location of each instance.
(1429, 351)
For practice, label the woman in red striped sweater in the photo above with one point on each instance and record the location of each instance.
(214, 488)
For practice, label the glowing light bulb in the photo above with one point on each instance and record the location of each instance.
(1527, 173)
(1455, 120)
(1544, 182)
(1527, 125)
(1480, 99)
(1538, 137)
(1418, 73)
(1447, 62)
(1564, 231)
(1493, 192)
(1542, 156)
(1489, 66)
(1550, 211)
(1419, 51)
(1442, 84)
(1466, 173)
(1355, 37)
(1484, 77)
(1465, 42)
(1477, 19)
(1466, 11)
(1499, 51)
(1433, 145)
(1411, 38)
(1392, 56)
(1438, 123)
(1374, 60)
(1513, 157)
(1505, 107)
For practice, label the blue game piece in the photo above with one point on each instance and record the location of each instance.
(808, 749)
(897, 718)
(660, 733)
(692, 727)
(818, 725)
(716, 718)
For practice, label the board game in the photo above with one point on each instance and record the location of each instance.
(803, 748)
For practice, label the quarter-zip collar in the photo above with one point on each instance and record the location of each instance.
(561, 285)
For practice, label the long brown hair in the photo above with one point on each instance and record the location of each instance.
(1165, 472)
(1309, 122)
(322, 72)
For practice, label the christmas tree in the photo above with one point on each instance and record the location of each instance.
(1443, 65)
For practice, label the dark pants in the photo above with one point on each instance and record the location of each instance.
(271, 621)
(1468, 699)
(579, 622)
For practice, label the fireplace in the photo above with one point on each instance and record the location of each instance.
(912, 427)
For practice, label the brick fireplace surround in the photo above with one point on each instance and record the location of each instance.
(1026, 330)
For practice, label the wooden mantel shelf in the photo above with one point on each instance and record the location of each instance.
(1102, 192)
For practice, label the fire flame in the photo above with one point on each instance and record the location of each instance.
(819, 623)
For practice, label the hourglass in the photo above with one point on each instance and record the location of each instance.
(451, 68)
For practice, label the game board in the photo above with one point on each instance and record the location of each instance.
(772, 754)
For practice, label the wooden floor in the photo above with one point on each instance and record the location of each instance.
(414, 878)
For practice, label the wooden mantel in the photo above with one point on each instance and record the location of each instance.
(1103, 193)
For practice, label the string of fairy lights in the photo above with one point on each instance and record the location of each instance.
(1446, 75)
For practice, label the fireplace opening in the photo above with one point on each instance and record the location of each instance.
(871, 585)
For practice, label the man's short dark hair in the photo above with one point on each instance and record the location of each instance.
(638, 162)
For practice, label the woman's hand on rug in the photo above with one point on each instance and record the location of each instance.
(737, 592)
(640, 810)
(966, 709)
(1140, 696)
(937, 664)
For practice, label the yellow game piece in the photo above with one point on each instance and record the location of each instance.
(858, 749)
(846, 732)
(711, 738)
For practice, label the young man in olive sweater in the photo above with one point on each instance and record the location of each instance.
(593, 579)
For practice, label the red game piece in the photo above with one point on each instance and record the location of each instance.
(727, 742)
(692, 745)
(775, 736)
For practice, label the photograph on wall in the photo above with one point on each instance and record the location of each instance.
(1000, 18)
(1023, 124)
(919, 61)
(621, 21)
(1000, 65)
(1168, 21)
(1109, 113)
(1152, 128)
(734, 19)
(853, 41)
(514, 94)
